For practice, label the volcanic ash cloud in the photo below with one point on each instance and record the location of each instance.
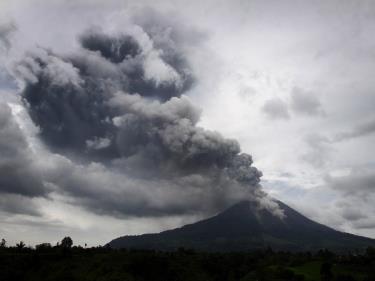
(124, 135)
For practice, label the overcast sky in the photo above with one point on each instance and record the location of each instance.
(126, 117)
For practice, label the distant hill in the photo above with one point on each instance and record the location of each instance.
(244, 227)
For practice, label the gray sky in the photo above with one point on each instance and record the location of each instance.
(291, 81)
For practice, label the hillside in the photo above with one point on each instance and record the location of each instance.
(245, 226)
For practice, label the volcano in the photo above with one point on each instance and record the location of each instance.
(245, 227)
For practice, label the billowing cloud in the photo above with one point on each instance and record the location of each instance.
(119, 134)
(68, 97)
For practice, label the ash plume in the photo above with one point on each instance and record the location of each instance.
(119, 105)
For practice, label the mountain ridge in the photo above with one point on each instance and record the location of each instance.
(247, 226)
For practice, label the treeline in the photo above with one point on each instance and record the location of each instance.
(66, 262)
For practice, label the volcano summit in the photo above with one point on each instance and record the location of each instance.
(248, 226)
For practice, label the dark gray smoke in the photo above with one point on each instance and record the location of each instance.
(118, 100)
(68, 96)
(115, 49)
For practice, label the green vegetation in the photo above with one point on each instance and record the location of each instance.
(66, 262)
(311, 270)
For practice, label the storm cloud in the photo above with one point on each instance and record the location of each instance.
(17, 172)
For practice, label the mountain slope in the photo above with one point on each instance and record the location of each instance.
(245, 226)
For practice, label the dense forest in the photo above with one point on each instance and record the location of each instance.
(66, 262)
